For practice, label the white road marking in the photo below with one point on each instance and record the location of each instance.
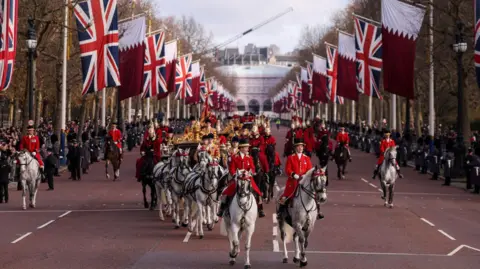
(64, 214)
(45, 224)
(427, 222)
(274, 231)
(373, 185)
(373, 253)
(447, 235)
(453, 252)
(21, 237)
(276, 247)
(380, 190)
(274, 218)
(79, 210)
(187, 237)
(364, 180)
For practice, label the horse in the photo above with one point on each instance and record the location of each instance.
(178, 174)
(161, 174)
(29, 176)
(302, 213)
(146, 177)
(240, 217)
(201, 190)
(341, 157)
(261, 178)
(388, 175)
(112, 155)
(270, 153)
(323, 153)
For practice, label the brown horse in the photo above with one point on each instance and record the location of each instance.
(112, 155)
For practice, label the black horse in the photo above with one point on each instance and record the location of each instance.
(324, 154)
(261, 177)
(146, 177)
(274, 171)
(341, 159)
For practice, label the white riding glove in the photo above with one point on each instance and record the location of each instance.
(296, 176)
(142, 153)
(34, 154)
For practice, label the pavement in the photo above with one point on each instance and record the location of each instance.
(98, 223)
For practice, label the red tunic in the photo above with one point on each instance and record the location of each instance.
(278, 162)
(269, 140)
(261, 130)
(238, 163)
(298, 166)
(232, 187)
(116, 136)
(309, 139)
(262, 158)
(384, 145)
(32, 144)
(257, 142)
(343, 137)
(222, 140)
(147, 145)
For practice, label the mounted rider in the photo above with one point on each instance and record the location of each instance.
(240, 161)
(342, 137)
(31, 143)
(297, 165)
(153, 144)
(256, 140)
(116, 136)
(308, 133)
(386, 143)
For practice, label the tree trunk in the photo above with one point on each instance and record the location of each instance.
(69, 105)
(11, 113)
(399, 113)
(97, 112)
(38, 107)
(82, 116)
(418, 117)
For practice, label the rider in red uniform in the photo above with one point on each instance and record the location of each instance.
(151, 143)
(31, 142)
(268, 138)
(297, 165)
(386, 143)
(309, 139)
(256, 140)
(342, 137)
(240, 161)
(116, 136)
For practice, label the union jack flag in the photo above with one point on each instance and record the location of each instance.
(368, 44)
(332, 72)
(97, 22)
(294, 95)
(155, 67)
(8, 41)
(202, 84)
(477, 40)
(183, 77)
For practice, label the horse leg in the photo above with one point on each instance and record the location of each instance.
(285, 251)
(144, 191)
(160, 202)
(234, 229)
(200, 217)
(343, 170)
(210, 213)
(176, 214)
(186, 212)
(153, 196)
(338, 171)
(106, 169)
(248, 244)
(301, 241)
(296, 257)
(391, 187)
(33, 200)
(24, 194)
(384, 190)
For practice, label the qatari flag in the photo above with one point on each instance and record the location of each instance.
(305, 87)
(171, 59)
(195, 98)
(347, 80)
(401, 23)
(132, 50)
(319, 79)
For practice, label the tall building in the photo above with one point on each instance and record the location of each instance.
(254, 76)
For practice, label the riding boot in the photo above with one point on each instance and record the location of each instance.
(375, 172)
(42, 175)
(223, 206)
(319, 213)
(349, 155)
(282, 208)
(261, 214)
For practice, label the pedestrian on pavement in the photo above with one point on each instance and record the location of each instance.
(50, 168)
(74, 158)
(278, 124)
(5, 170)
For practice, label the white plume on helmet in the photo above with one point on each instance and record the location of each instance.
(151, 132)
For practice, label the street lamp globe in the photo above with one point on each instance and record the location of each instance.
(455, 47)
(31, 44)
(462, 47)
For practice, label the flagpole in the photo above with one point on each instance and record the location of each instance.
(63, 110)
(326, 111)
(431, 101)
(147, 112)
(334, 110)
(129, 102)
(104, 118)
(168, 106)
(353, 112)
(393, 113)
(370, 101)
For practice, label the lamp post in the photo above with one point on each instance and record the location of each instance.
(459, 47)
(31, 45)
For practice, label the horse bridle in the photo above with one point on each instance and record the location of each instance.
(312, 190)
(248, 204)
(24, 164)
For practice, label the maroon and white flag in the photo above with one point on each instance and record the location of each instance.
(132, 51)
(401, 23)
(171, 60)
(195, 97)
(305, 87)
(319, 79)
(347, 81)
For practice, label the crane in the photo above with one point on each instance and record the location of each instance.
(290, 9)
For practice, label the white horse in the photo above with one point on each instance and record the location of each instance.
(178, 174)
(388, 175)
(201, 190)
(303, 213)
(160, 176)
(29, 176)
(240, 217)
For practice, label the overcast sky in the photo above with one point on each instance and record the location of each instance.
(227, 18)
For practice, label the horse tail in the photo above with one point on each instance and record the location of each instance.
(289, 232)
(223, 228)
